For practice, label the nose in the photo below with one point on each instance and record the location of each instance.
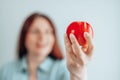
(41, 36)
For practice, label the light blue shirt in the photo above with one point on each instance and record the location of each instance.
(49, 69)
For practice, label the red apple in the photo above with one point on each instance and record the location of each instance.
(78, 29)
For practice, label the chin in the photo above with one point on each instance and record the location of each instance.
(41, 53)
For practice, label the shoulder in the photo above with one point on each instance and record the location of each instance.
(8, 69)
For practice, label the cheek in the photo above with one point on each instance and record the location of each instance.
(51, 41)
(30, 42)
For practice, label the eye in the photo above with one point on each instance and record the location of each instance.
(34, 31)
(49, 32)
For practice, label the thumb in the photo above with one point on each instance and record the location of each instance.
(88, 38)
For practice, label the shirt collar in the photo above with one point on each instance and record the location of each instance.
(23, 64)
(44, 66)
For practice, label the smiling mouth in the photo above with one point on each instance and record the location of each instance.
(41, 45)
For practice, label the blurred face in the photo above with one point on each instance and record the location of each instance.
(40, 38)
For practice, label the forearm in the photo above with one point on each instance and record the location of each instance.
(82, 75)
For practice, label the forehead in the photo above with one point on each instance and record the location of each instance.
(41, 22)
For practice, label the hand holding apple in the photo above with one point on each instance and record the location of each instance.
(78, 56)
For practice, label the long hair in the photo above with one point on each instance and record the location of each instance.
(56, 52)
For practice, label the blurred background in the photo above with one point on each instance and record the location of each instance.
(103, 15)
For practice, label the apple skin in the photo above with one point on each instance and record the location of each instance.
(78, 28)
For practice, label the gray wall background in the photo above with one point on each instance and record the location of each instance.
(103, 15)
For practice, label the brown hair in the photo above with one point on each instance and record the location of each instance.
(21, 49)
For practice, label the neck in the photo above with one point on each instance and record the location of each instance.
(33, 62)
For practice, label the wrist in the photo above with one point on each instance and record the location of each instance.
(79, 74)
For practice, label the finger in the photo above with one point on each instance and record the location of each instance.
(84, 49)
(77, 49)
(88, 39)
(69, 52)
(68, 47)
(75, 45)
(67, 44)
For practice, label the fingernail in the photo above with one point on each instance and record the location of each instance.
(85, 34)
(71, 36)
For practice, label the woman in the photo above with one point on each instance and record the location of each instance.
(40, 57)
